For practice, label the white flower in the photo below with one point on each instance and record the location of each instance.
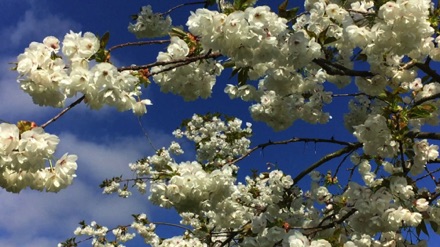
(320, 243)
(139, 108)
(54, 181)
(66, 167)
(422, 204)
(88, 45)
(9, 138)
(52, 43)
(295, 239)
(189, 81)
(76, 46)
(149, 24)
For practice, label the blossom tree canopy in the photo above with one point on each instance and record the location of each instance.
(380, 55)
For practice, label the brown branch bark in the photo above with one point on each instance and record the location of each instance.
(337, 69)
(424, 135)
(292, 140)
(184, 61)
(138, 43)
(326, 158)
(425, 68)
(333, 224)
(76, 102)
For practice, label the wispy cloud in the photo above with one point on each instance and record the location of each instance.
(15, 104)
(34, 26)
(43, 219)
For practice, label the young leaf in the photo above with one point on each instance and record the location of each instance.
(104, 40)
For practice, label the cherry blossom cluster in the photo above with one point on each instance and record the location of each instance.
(190, 81)
(257, 40)
(360, 107)
(284, 64)
(216, 140)
(248, 37)
(197, 192)
(50, 77)
(98, 234)
(23, 158)
(376, 136)
(149, 24)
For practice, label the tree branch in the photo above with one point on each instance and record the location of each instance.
(423, 100)
(76, 102)
(425, 68)
(138, 43)
(333, 224)
(337, 69)
(326, 158)
(185, 60)
(292, 140)
(181, 5)
(424, 135)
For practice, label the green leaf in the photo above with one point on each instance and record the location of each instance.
(288, 14)
(422, 228)
(282, 8)
(229, 64)
(104, 40)
(15, 66)
(209, 3)
(101, 56)
(243, 76)
(422, 111)
(243, 4)
(361, 57)
(329, 40)
(177, 32)
(434, 226)
(234, 72)
(426, 79)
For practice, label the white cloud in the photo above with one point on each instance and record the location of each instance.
(34, 26)
(16, 104)
(43, 219)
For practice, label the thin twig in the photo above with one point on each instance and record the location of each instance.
(428, 174)
(181, 5)
(423, 100)
(425, 68)
(175, 225)
(185, 60)
(337, 69)
(138, 43)
(76, 102)
(424, 135)
(434, 161)
(292, 140)
(347, 94)
(326, 158)
(331, 225)
(146, 134)
(340, 164)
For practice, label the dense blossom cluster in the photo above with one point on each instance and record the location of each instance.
(49, 78)
(248, 37)
(23, 158)
(217, 141)
(284, 65)
(257, 40)
(190, 81)
(149, 24)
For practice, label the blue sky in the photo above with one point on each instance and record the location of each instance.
(106, 140)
